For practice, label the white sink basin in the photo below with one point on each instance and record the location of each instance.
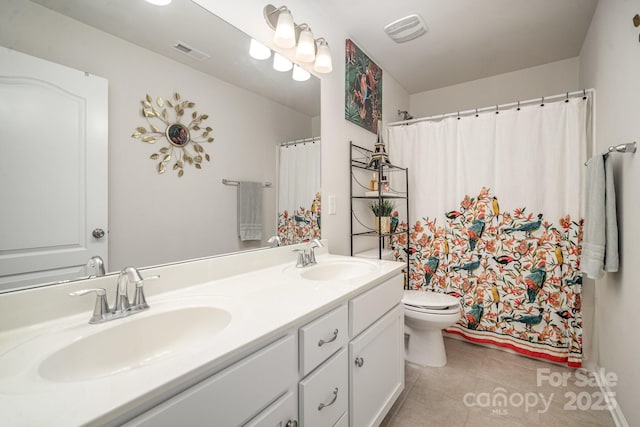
(136, 342)
(338, 270)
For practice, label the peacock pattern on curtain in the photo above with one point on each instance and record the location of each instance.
(497, 197)
(515, 273)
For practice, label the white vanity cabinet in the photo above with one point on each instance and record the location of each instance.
(343, 368)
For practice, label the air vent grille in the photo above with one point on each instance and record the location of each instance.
(190, 51)
(406, 29)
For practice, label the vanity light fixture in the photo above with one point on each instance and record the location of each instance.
(259, 51)
(306, 50)
(300, 74)
(159, 2)
(289, 34)
(323, 62)
(285, 36)
(280, 63)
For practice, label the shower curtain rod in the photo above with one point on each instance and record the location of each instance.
(497, 108)
(300, 141)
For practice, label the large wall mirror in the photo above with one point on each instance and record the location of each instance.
(261, 119)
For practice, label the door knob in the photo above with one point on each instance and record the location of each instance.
(98, 233)
(359, 362)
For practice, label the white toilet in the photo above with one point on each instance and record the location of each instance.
(426, 314)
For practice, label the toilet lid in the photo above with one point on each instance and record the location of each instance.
(429, 299)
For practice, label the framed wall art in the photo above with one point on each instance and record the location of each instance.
(363, 89)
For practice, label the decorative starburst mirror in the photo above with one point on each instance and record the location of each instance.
(185, 140)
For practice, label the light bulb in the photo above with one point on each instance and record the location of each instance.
(280, 63)
(323, 58)
(285, 36)
(300, 74)
(306, 50)
(159, 2)
(259, 51)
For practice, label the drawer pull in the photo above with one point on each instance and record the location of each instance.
(332, 339)
(292, 423)
(359, 362)
(335, 396)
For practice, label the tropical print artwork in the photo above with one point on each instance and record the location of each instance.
(301, 225)
(515, 273)
(363, 89)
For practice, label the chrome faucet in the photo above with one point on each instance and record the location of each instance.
(275, 241)
(96, 263)
(307, 256)
(122, 307)
(126, 276)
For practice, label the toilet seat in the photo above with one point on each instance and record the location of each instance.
(430, 302)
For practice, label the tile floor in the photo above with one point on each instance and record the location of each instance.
(461, 393)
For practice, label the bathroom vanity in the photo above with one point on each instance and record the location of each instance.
(244, 339)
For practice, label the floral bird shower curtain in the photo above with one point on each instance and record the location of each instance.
(498, 201)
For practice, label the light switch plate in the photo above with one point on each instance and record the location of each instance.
(332, 205)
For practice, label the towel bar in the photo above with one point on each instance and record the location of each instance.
(236, 183)
(631, 147)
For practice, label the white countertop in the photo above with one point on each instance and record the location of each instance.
(264, 304)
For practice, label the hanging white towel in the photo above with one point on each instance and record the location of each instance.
(600, 244)
(249, 210)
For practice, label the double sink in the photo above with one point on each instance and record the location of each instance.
(76, 351)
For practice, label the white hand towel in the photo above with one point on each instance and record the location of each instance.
(600, 226)
(249, 211)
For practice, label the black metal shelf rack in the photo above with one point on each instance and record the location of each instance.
(359, 159)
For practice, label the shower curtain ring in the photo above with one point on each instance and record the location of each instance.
(476, 112)
(567, 99)
(584, 94)
(542, 104)
(497, 111)
(518, 109)
(458, 115)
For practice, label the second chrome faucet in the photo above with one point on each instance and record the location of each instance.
(307, 256)
(122, 306)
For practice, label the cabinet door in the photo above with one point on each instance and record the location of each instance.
(282, 413)
(376, 369)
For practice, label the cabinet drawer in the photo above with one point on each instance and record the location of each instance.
(232, 396)
(278, 414)
(370, 306)
(324, 395)
(323, 337)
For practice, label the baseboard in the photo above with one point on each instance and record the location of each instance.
(614, 410)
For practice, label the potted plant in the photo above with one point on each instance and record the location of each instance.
(382, 211)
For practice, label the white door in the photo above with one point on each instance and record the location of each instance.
(53, 170)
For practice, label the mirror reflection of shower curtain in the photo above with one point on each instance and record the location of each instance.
(299, 192)
(299, 177)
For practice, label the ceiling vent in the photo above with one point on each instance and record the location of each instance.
(406, 29)
(189, 51)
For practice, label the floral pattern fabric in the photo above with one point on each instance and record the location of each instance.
(301, 225)
(515, 273)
